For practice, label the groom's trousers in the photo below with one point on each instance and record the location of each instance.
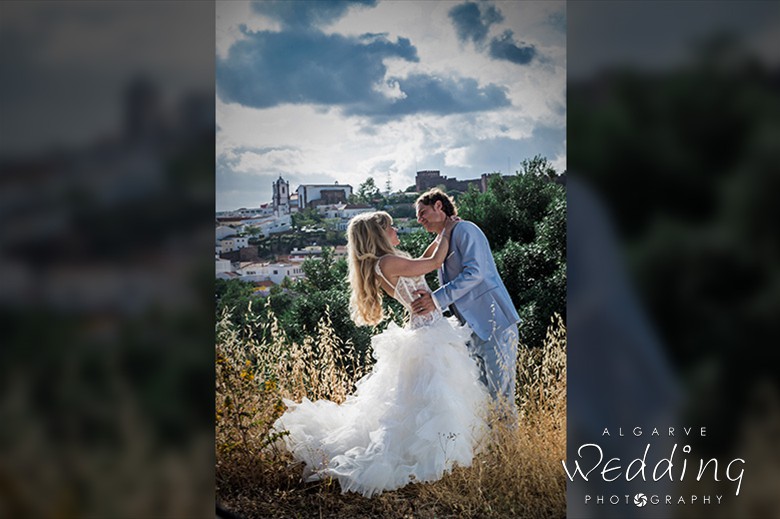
(497, 361)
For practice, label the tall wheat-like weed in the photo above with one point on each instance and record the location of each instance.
(517, 475)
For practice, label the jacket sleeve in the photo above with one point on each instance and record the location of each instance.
(472, 245)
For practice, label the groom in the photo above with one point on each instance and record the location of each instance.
(473, 291)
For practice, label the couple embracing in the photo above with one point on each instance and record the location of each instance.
(424, 406)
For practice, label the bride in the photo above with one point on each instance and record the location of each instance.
(422, 409)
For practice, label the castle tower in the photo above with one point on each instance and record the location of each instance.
(281, 196)
(427, 179)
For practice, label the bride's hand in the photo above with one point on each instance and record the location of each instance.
(423, 304)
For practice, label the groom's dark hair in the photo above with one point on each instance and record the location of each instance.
(432, 195)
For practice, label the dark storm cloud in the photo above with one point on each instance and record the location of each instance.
(505, 47)
(473, 23)
(304, 14)
(267, 69)
(441, 96)
(271, 68)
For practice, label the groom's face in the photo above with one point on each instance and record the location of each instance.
(431, 216)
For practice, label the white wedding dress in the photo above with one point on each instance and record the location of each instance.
(418, 413)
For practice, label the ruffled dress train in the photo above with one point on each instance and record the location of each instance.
(420, 412)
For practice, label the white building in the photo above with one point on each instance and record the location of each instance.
(268, 225)
(276, 272)
(257, 222)
(224, 246)
(223, 265)
(351, 210)
(251, 271)
(312, 251)
(347, 212)
(223, 231)
(340, 251)
(231, 244)
(311, 195)
(332, 211)
(277, 225)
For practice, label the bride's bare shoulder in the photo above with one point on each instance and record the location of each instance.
(384, 261)
(393, 265)
(387, 260)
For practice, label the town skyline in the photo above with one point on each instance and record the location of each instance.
(424, 179)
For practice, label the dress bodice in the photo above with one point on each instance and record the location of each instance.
(403, 292)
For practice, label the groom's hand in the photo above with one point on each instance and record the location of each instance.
(424, 303)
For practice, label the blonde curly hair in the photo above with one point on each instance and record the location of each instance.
(367, 242)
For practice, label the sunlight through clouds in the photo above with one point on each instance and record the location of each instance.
(282, 160)
(456, 157)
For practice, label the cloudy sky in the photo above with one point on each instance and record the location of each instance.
(320, 92)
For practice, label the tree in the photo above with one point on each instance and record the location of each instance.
(524, 219)
(538, 166)
(367, 191)
(402, 210)
(234, 296)
(511, 207)
(323, 273)
(309, 217)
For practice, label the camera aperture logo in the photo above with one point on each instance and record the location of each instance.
(592, 465)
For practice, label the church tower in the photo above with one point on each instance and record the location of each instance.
(281, 196)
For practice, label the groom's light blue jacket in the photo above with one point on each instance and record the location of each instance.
(469, 280)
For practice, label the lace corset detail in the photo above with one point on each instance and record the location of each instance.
(404, 293)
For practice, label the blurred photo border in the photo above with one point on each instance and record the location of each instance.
(106, 246)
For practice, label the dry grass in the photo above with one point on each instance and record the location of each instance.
(517, 475)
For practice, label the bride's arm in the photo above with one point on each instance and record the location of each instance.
(432, 247)
(399, 266)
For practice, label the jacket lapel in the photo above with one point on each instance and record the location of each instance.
(443, 277)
